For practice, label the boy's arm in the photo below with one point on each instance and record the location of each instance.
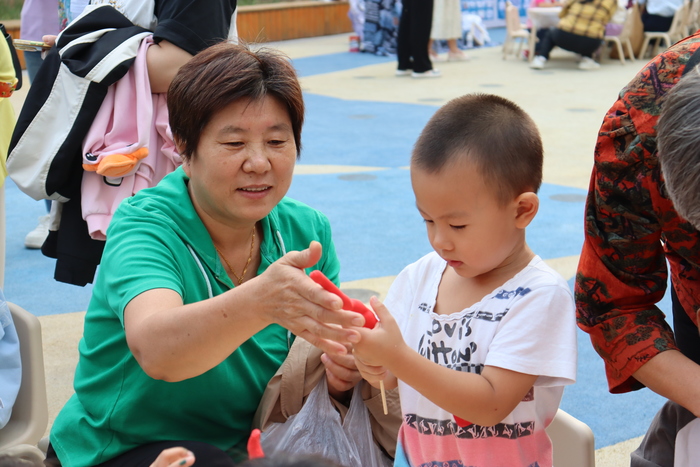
(483, 399)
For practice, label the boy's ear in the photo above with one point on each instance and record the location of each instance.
(527, 205)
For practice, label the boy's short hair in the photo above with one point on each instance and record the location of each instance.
(225, 73)
(492, 133)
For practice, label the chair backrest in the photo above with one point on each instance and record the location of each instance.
(30, 414)
(693, 22)
(572, 441)
(628, 25)
(512, 18)
(679, 25)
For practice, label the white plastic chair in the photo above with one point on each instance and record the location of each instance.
(514, 31)
(675, 33)
(624, 37)
(30, 414)
(572, 441)
(693, 23)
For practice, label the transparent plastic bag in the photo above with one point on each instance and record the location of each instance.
(316, 429)
(358, 429)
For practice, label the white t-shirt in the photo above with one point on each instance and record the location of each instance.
(527, 325)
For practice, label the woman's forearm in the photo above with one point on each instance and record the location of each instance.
(173, 342)
(674, 376)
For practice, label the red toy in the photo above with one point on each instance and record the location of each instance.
(351, 304)
(461, 422)
(255, 450)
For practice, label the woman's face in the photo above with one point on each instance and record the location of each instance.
(244, 162)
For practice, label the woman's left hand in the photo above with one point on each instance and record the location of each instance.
(342, 374)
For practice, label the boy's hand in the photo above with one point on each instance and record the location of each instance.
(380, 346)
(374, 374)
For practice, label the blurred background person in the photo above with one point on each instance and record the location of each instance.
(447, 25)
(414, 35)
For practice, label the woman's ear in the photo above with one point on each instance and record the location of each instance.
(527, 205)
(185, 161)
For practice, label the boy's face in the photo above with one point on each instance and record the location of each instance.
(466, 225)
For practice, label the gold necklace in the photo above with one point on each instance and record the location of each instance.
(245, 269)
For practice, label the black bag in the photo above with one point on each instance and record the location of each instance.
(15, 58)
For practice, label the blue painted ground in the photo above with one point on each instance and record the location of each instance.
(376, 228)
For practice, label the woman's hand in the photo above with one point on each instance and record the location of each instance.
(173, 342)
(342, 374)
(174, 457)
(294, 301)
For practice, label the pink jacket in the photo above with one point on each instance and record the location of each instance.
(129, 146)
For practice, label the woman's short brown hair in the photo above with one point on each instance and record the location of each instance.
(223, 74)
(489, 131)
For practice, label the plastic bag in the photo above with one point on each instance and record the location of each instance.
(358, 429)
(317, 429)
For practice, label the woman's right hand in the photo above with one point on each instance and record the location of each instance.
(294, 301)
(173, 342)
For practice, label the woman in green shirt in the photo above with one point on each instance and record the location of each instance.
(202, 284)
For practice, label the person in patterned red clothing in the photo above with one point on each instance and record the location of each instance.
(633, 230)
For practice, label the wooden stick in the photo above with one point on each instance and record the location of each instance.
(381, 389)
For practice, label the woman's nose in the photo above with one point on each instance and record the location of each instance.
(257, 160)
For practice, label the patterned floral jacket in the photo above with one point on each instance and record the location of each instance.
(632, 229)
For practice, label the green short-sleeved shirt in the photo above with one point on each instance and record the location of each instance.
(156, 240)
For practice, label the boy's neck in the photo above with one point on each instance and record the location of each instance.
(456, 293)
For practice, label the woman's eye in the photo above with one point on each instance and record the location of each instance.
(277, 142)
(234, 144)
(427, 221)
(458, 227)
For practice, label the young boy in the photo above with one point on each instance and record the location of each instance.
(481, 329)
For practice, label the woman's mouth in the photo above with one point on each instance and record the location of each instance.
(254, 192)
(254, 189)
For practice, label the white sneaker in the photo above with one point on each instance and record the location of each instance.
(403, 72)
(427, 74)
(538, 62)
(587, 63)
(36, 238)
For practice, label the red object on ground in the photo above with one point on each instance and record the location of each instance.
(351, 304)
(254, 448)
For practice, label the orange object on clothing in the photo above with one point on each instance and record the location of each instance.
(117, 165)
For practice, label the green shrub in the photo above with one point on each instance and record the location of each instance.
(10, 9)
